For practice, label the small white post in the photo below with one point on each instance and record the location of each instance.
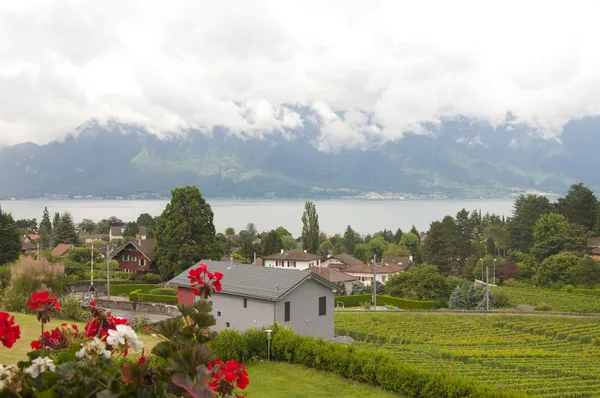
(269, 331)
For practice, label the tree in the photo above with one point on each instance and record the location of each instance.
(271, 243)
(310, 228)
(440, 246)
(10, 243)
(586, 272)
(350, 239)
(411, 242)
(288, 242)
(325, 249)
(86, 226)
(526, 212)
(361, 252)
(282, 231)
(248, 249)
(414, 231)
(358, 288)
(45, 230)
(251, 228)
(101, 228)
(396, 250)
(131, 229)
(56, 220)
(508, 270)
(556, 270)
(145, 220)
(579, 206)
(339, 247)
(528, 265)
(398, 235)
(553, 234)
(114, 221)
(376, 247)
(464, 235)
(65, 231)
(490, 246)
(458, 299)
(229, 231)
(549, 226)
(474, 297)
(341, 288)
(185, 233)
(423, 282)
(27, 225)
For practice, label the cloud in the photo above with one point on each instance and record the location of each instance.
(364, 68)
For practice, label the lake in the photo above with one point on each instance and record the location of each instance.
(334, 215)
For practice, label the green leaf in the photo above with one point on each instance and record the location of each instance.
(164, 349)
(169, 327)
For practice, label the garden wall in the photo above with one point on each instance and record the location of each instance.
(140, 307)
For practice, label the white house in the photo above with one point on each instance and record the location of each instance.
(115, 233)
(295, 259)
(364, 272)
(254, 296)
(340, 261)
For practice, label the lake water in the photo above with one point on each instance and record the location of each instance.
(334, 215)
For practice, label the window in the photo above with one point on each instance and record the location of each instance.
(286, 316)
(245, 303)
(294, 264)
(142, 262)
(227, 324)
(219, 314)
(123, 257)
(288, 263)
(322, 306)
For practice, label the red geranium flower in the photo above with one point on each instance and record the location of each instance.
(206, 281)
(9, 331)
(44, 303)
(227, 376)
(93, 303)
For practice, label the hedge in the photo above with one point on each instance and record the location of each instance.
(164, 291)
(356, 299)
(376, 368)
(117, 290)
(139, 295)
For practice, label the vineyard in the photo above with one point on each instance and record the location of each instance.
(557, 300)
(544, 356)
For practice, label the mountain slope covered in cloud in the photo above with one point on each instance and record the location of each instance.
(459, 157)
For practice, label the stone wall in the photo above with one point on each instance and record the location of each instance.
(148, 308)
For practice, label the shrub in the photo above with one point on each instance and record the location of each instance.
(5, 276)
(502, 299)
(70, 309)
(138, 295)
(165, 291)
(544, 307)
(365, 304)
(141, 323)
(229, 343)
(117, 290)
(150, 278)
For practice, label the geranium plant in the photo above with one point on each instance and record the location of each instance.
(94, 361)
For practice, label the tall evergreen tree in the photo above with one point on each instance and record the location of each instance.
(579, 206)
(458, 300)
(131, 229)
(464, 236)
(490, 246)
(440, 247)
(398, 235)
(310, 228)
(10, 243)
(414, 231)
(45, 230)
(526, 211)
(350, 239)
(185, 233)
(65, 231)
(271, 243)
(56, 220)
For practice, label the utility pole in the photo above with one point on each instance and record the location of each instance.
(487, 286)
(107, 272)
(481, 269)
(374, 284)
(494, 271)
(92, 267)
(38, 250)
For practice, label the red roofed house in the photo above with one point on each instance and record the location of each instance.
(136, 256)
(335, 275)
(61, 250)
(364, 272)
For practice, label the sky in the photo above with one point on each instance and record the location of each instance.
(363, 68)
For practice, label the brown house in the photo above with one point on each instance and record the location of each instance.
(341, 261)
(593, 248)
(136, 256)
(334, 275)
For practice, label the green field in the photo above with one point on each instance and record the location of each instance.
(559, 301)
(276, 379)
(545, 356)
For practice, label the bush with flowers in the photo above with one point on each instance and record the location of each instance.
(95, 361)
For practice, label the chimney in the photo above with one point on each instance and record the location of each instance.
(281, 250)
(304, 251)
(410, 258)
(254, 258)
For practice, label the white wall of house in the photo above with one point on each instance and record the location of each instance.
(367, 279)
(241, 312)
(291, 264)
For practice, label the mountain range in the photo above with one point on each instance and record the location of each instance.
(457, 157)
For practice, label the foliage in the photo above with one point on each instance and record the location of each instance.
(65, 231)
(145, 220)
(10, 243)
(70, 309)
(118, 289)
(288, 242)
(457, 299)
(131, 229)
(440, 247)
(310, 228)
(138, 295)
(502, 300)
(549, 226)
(358, 288)
(350, 239)
(141, 323)
(579, 206)
(167, 291)
(528, 265)
(4, 276)
(361, 252)
(544, 307)
(45, 229)
(149, 278)
(508, 270)
(586, 272)
(185, 233)
(556, 270)
(271, 243)
(423, 282)
(526, 211)
(325, 249)
(341, 287)
(396, 250)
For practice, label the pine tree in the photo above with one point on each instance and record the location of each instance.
(65, 231)
(473, 298)
(458, 301)
(310, 228)
(45, 230)
(10, 243)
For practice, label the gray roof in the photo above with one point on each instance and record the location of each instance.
(254, 281)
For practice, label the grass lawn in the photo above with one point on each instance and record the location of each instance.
(30, 330)
(276, 379)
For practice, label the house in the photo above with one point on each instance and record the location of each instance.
(341, 261)
(405, 262)
(30, 238)
(261, 296)
(91, 238)
(294, 259)
(61, 250)
(334, 275)
(115, 233)
(135, 256)
(142, 233)
(364, 272)
(28, 248)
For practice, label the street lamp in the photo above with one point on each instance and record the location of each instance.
(269, 331)
(494, 271)
(481, 269)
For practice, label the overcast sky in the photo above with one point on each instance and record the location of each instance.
(172, 65)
